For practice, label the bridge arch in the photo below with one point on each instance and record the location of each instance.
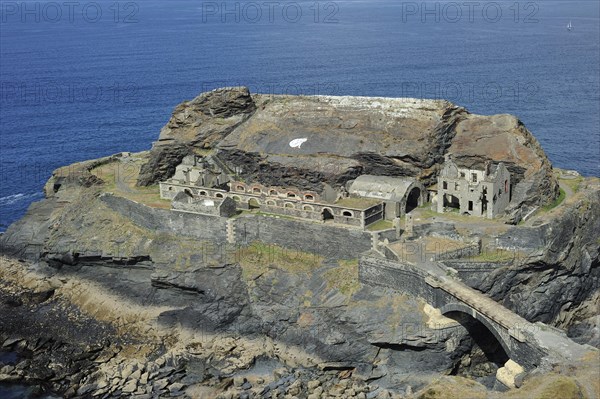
(502, 339)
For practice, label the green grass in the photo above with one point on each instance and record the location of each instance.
(380, 225)
(562, 387)
(258, 257)
(344, 278)
(357, 203)
(499, 255)
(127, 175)
(556, 202)
(574, 183)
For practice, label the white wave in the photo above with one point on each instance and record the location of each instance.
(11, 199)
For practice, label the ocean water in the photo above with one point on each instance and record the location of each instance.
(103, 77)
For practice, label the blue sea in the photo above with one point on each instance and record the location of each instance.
(96, 78)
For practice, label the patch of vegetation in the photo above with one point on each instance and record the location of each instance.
(498, 255)
(120, 178)
(556, 202)
(452, 215)
(457, 387)
(574, 183)
(256, 258)
(344, 278)
(380, 225)
(357, 203)
(562, 387)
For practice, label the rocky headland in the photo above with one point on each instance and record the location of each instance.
(106, 292)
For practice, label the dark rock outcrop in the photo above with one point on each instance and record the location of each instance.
(197, 124)
(347, 137)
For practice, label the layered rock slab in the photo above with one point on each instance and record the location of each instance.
(312, 142)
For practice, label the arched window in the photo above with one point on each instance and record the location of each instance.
(219, 195)
(288, 205)
(309, 197)
(326, 214)
(271, 203)
(170, 188)
(256, 190)
(308, 208)
(203, 193)
(240, 188)
(272, 192)
(348, 214)
(236, 198)
(291, 195)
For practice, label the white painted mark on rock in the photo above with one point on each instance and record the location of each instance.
(297, 143)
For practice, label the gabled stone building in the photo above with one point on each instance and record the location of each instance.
(479, 192)
(400, 194)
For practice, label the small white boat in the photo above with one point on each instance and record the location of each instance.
(570, 26)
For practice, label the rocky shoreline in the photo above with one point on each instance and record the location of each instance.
(62, 350)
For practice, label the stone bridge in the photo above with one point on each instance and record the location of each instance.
(516, 335)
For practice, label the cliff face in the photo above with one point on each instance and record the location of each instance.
(557, 279)
(346, 137)
(197, 124)
(310, 308)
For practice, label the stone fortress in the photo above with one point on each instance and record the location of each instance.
(201, 185)
(373, 198)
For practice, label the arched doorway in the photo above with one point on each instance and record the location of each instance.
(484, 201)
(326, 214)
(412, 201)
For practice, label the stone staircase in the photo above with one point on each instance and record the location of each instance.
(230, 231)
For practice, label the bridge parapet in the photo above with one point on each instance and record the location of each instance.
(514, 333)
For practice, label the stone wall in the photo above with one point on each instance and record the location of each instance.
(214, 207)
(389, 234)
(181, 223)
(396, 275)
(473, 273)
(319, 238)
(170, 190)
(464, 252)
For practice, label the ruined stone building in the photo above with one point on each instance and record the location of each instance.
(399, 194)
(479, 192)
(185, 201)
(200, 185)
